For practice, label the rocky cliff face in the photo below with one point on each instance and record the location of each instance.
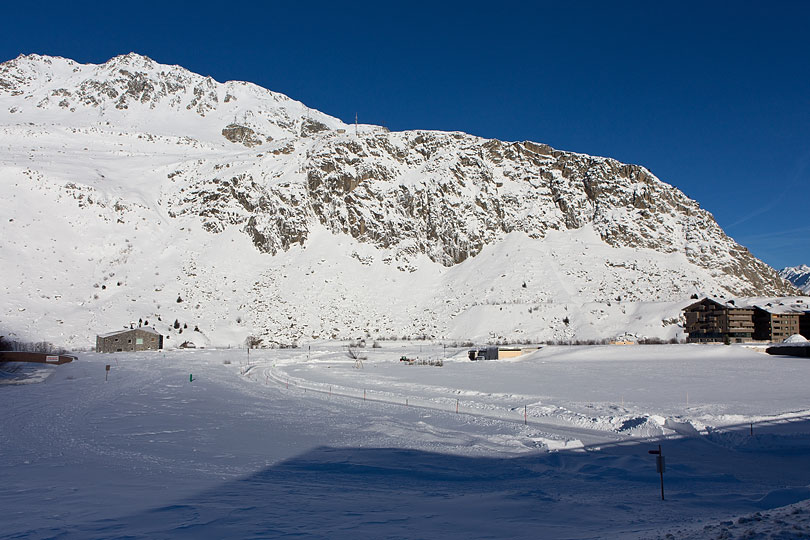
(447, 195)
(156, 149)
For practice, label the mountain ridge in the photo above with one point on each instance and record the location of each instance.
(799, 276)
(157, 150)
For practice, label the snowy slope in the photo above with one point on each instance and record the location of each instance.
(300, 442)
(798, 276)
(139, 191)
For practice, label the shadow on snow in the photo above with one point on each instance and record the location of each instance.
(612, 490)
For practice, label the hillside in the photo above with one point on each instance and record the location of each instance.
(798, 276)
(136, 190)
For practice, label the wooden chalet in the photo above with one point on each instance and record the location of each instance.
(711, 321)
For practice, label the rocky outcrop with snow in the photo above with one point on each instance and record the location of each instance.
(232, 196)
(798, 276)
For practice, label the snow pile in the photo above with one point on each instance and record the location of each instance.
(795, 338)
(791, 521)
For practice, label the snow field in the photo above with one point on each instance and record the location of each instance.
(237, 452)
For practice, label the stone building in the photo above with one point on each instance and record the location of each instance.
(134, 339)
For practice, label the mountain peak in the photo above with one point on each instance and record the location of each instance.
(132, 59)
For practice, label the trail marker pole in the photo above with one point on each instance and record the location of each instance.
(456, 406)
(406, 402)
(525, 416)
(364, 394)
(660, 466)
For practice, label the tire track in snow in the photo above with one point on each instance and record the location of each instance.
(587, 437)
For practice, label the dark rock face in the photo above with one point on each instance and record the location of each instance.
(241, 135)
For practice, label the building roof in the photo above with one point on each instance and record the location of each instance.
(722, 302)
(148, 329)
(780, 309)
(775, 305)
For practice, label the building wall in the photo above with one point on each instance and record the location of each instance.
(804, 324)
(775, 327)
(129, 340)
(708, 321)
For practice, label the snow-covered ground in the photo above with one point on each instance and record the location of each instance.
(305, 442)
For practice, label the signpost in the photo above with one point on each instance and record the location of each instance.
(660, 466)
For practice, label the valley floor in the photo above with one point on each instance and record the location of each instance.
(307, 442)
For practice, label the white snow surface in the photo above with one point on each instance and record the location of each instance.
(311, 443)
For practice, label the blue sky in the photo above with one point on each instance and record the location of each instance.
(713, 98)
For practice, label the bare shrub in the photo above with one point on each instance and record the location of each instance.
(354, 354)
(253, 342)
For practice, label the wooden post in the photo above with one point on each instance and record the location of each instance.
(660, 465)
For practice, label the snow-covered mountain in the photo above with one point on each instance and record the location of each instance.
(798, 275)
(140, 191)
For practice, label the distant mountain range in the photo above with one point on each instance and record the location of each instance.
(798, 276)
(136, 191)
